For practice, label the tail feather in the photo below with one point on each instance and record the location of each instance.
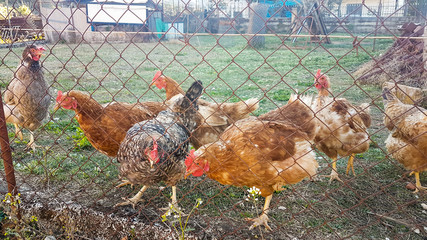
(252, 104)
(388, 95)
(192, 94)
(365, 108)
(240, 110)
(292, 98)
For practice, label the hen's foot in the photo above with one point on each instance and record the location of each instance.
(261, 220)
(131, 201)
(332, 177)
(420, 189)
(124, 183)
(32, 145)
(134, 200)
(418, 182)
(173, 208)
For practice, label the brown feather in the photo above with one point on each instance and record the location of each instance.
(407, 142)
(214, 117)
(343, 126)
(27, 97)
(105, 126)
(266, 152)
(267, 155)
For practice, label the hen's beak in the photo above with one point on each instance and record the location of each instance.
(187, 174)
(153, 83)
(151, 164)
(56, 107)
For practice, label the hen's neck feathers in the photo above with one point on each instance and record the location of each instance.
(322, 97)
(172, 88)
(32, 65)
(85, 104)
(396, 111)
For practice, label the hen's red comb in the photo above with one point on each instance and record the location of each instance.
(58, 98)
(190, 158)
(318, 73)
(158, 74)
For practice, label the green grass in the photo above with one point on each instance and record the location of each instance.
(230, 71)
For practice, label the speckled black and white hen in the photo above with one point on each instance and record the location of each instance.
(155, 150)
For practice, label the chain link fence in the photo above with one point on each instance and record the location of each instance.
(252, 59)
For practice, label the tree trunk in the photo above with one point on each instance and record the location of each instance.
(257, 24)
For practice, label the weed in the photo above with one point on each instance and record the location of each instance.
(80, 140)
(175, 216)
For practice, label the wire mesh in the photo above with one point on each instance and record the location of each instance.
(252, 57)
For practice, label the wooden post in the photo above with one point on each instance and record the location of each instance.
(425, 50)
(6, 154)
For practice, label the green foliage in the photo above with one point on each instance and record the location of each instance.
(80, 140)
(282, 95)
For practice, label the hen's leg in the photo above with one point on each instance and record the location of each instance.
(133, 201)
(334, 173)
(173, 206)
(418, 182)
(174, 201)
(18, 132)
(263, 218)
(31, 144)
(350, 165)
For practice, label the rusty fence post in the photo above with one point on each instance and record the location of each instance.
(6, 154)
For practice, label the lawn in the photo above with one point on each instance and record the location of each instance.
(69, 169)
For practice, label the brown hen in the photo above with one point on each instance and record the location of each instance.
(105, 126)
(266, 152)
(27, 98)
(343, 126)
(407, 142)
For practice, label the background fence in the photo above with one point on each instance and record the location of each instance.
(112, 50)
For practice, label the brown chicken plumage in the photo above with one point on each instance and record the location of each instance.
(154, 150)
(216, 116)
(27, 98)
(266, 152)
(343, 126)
(407, 142)
(105, 126)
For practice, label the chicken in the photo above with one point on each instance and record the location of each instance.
(343, 126)
(105, 126)
(407, 142)
(27, 98)
(266, 152)
(216, 116)
(154, 150)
